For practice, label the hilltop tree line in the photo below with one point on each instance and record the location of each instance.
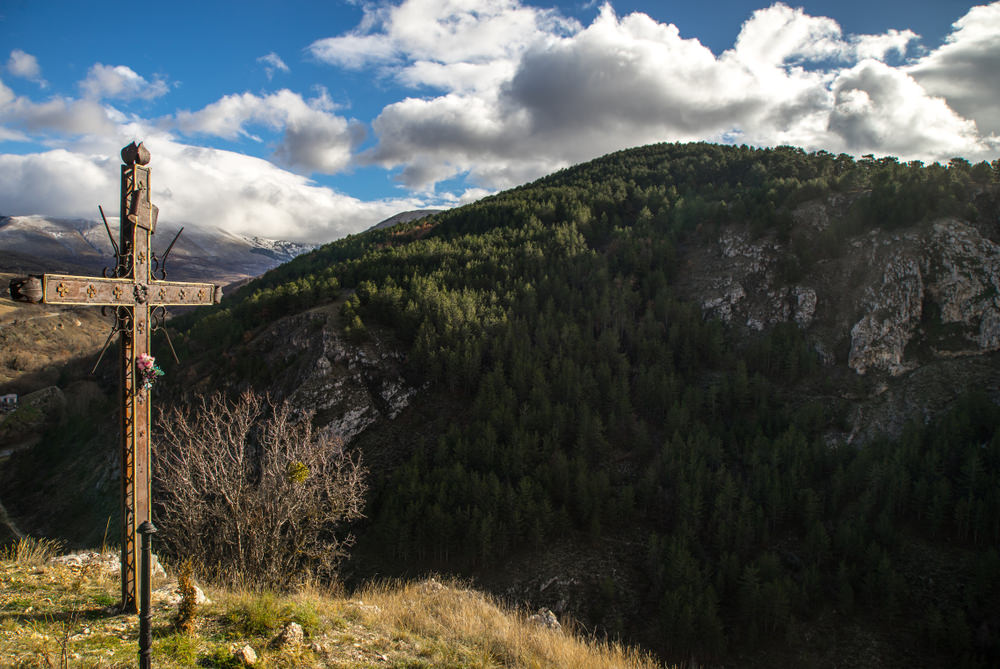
(597, 403)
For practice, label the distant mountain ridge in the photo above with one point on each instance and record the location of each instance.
(405, 217)
(36, 244)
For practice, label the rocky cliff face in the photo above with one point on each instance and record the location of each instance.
(886, 303)
(347, 384)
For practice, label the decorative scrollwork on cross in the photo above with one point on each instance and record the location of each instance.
(141, 293)
(157, 318)
(91, 291)
(62, 289)
(118, 292)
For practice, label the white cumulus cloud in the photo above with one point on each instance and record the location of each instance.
(272, 63)
(445, 44)
(965, 70)
(57, 183)
(314, 139)
(879, 109)
(58, 115)
(195, 186)
(120, 81)
(26, 66)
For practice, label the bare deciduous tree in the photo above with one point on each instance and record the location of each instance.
(252, 492)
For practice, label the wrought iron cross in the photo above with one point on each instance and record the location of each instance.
(139, 300)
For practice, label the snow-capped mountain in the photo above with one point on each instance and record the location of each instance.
(36, 244)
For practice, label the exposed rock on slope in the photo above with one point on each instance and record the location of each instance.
(888, 303)
(966, 286)
(892, 307)
(349, 385)
(889, 290)
(883, 303)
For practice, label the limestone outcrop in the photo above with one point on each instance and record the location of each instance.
(879, 303)
(346, 383)
(937, 285)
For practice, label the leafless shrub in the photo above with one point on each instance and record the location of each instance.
(252, 493)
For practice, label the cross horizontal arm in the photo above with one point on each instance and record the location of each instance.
(179, 293)
(94, 291)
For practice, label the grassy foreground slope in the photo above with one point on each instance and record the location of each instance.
(54, 614)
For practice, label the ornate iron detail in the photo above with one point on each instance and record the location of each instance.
(157, 317)
(160, 264)
(141, 293)
(27, 289)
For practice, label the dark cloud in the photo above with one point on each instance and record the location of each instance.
(966, 69)
(319, 144)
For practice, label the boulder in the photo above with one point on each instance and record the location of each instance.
(291, 635)
(545, 618)
(245, 655)
(170, 595)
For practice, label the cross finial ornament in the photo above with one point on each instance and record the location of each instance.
(139, 301)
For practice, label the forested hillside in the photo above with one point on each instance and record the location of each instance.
(573, 392)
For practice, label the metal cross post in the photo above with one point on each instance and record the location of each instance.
(140, 302)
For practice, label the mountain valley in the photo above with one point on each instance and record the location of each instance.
(739, 406)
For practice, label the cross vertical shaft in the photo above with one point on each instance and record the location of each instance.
(136, 221)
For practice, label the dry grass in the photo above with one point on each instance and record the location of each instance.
(30, 552)
(51, 614)
(461, 627)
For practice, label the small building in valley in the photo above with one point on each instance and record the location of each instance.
(8, 402)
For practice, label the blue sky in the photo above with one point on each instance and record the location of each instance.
(311, 120)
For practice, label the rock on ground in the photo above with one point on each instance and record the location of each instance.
(545, 618)
(290, 635)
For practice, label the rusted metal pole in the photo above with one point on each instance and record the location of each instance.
(145, 615)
